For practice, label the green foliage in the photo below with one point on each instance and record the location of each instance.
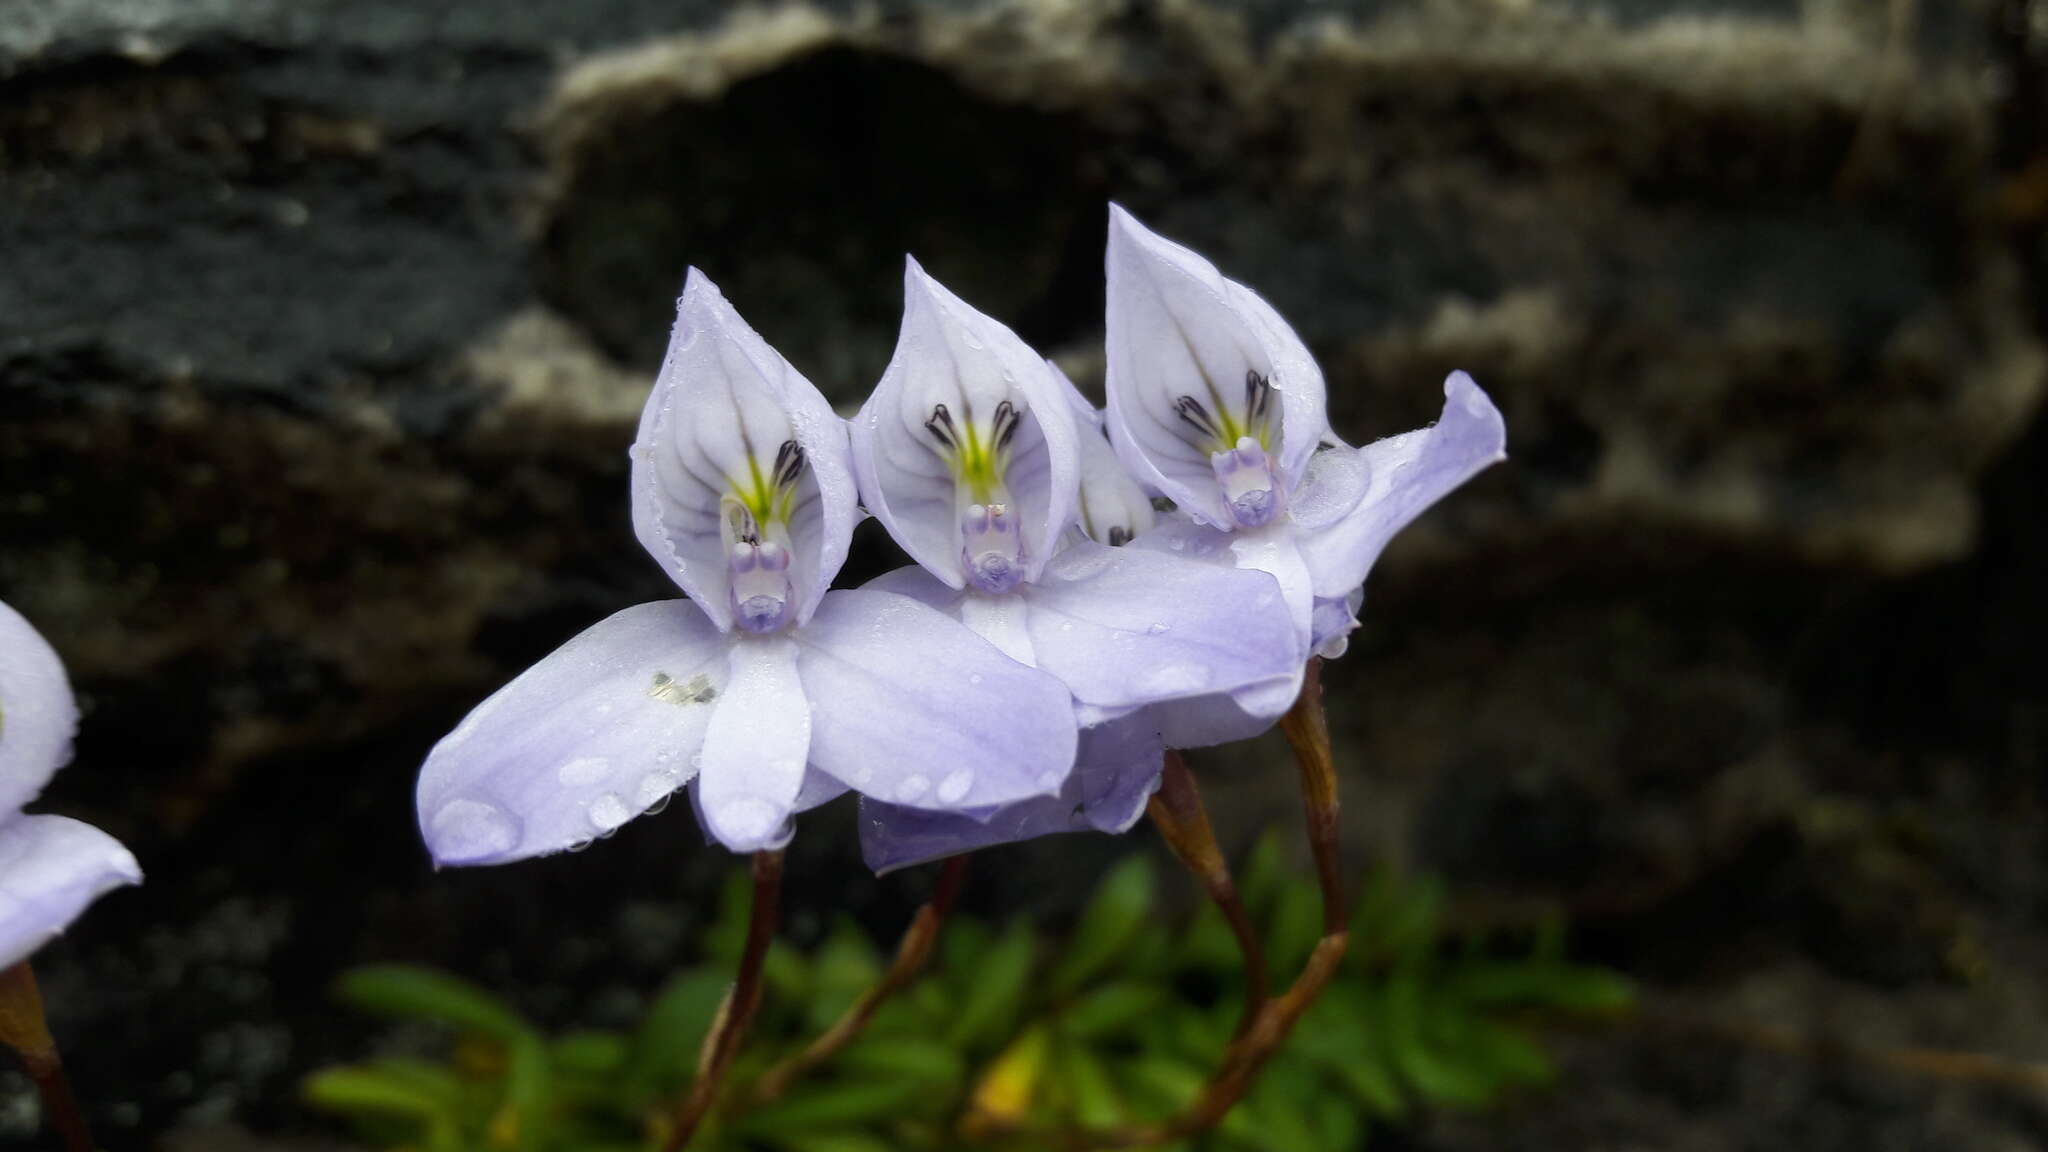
(1007, 1037)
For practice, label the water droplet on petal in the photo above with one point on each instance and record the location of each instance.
(465, 830)
(1176, 679)
(1156, 628)
(954, 786)
(1066, 625)
(862, 775)
(974, 678)
(655, 787)
(580, 845)
(746, 819)
(608, 812)
(912, 788)
(582, 771)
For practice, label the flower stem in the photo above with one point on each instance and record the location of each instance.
(1309, 732)
(1183, 822)
(23, 1028)
(729, 1027)
(911, 956)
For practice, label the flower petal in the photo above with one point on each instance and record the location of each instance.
(909, 706)
(51, 868)
(37, 712)
(1115, 773)
(950, 357)
(1180, 334)
(756, 747)
(1111, 507)
(599, 731)
(1405, 475)
(713, 431)
(1125, 627)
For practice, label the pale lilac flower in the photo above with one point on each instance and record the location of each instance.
(969, 453)
(765, 691)
(1216, 403)
(51, 867)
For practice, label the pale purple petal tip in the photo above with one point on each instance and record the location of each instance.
(51, 868)
(37, 712)
(1405, 475)
(604, 728)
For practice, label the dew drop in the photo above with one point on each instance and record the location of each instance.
(1156, 628)
(1176, 543)
(862, 775)
(580, 845)
(912, 788)
(974, 678)
(467, 830)
(658, 807)
(582, 771)
(1066, 625)
(746, 819)
(1176, 679)
(656, 786)
(955, 785)
(607, 812)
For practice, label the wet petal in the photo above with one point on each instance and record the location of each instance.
(51, 868)
(730, 429)
(1406, 474)
(1112, 508)
(965, 416)
(1115, 773)
(1198, 363)
(1125, 627)
(37, 712)
(1335, 618)
(909, 706)
(599, 731)
(756, 747)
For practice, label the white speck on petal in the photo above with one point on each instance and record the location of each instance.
(1155, 628)
(912, 788)
(472, 829)
(582, 771)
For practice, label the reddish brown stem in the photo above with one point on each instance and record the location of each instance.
(1308, 730)
(24, 1029)
(729, 1027)
(1178, 813)
(912, 953)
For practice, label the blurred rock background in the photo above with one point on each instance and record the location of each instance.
(323, 327)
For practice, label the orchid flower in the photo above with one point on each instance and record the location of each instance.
(51, 867)
(763, 691)
(969, 453)
(1217, 404)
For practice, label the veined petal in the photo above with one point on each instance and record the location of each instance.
(756, 747)
(909, 706)
(37, 712)
(1125, 627)
(51, 868)
(1115, 773)
(1406, 474)
(1201, 367)
(966, 417)
(736, 447)
(599, 731)
(1112, 508)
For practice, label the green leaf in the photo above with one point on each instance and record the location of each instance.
(1438, 1080)
(831, 1107)
(834, 1142)
(927, 1061)
(591, 1053)
(1508, 1054)
(1107, 925)
(1164, 1084)
(1297, 923)
(1208, 944)
(1111, 1009)
(527, 1115)
(989, 1008)
(1090, 1092)
(664, 1049)
(1341, 1033)
(1265, 874)
(845, 966)
(423, 1094)
(407, 992)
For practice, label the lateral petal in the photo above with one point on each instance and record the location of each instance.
(755, 748)
(38, 714)
(599, 731)
(51, 868)
(911, 707)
